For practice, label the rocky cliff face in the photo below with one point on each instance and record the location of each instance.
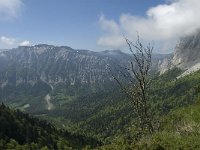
(187, 52)
(186, 56)
(165, 64)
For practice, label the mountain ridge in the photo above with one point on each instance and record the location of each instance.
(41, 70)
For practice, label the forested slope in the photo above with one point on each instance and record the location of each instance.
(178, 104)
(21, 131)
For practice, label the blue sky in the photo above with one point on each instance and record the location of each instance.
(81, 24)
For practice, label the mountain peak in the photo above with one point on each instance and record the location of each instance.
(43, 45)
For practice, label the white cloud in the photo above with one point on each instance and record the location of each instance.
(7, 40)
(164, 24)
(109, 25)
(10, 8)
(112, 38)
(24, 43)
(114, 41)
(10, 42)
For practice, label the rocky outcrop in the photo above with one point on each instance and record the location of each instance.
(165, 64)
(186, 56)
(187, 52)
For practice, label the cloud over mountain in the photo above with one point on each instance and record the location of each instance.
(164, 24)
(24, 43)
(10, 42)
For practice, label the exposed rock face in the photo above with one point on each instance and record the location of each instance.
(186, 56)
(187, 52)
(165, 64)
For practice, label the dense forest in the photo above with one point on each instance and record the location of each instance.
(176, 102)
(23, 132)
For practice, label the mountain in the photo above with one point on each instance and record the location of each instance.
(56, 65)
(30, 75)
(74, 89)
(54, 83)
